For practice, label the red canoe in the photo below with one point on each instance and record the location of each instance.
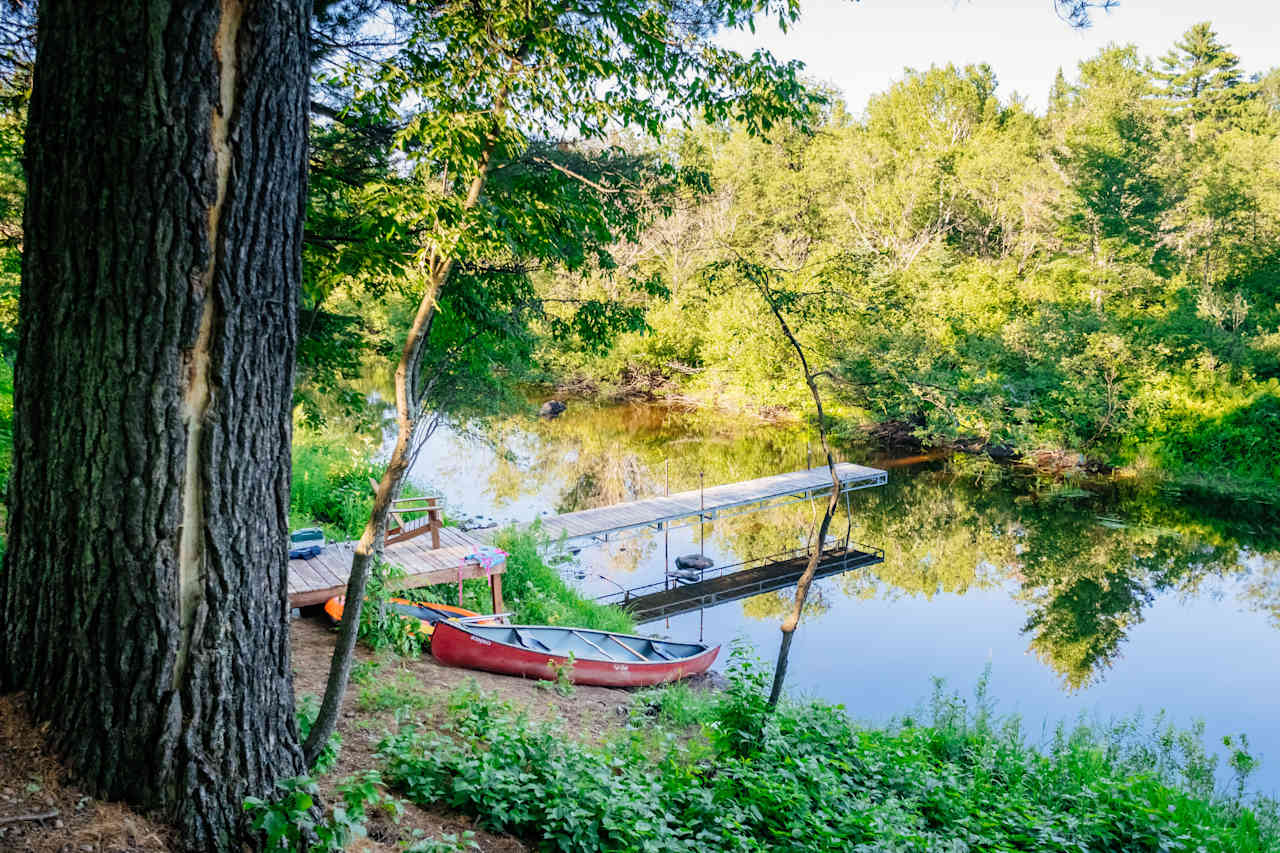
(599, 657)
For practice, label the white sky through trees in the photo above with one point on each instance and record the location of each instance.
(861, 47)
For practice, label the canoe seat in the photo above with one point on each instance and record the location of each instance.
(660, 653)
(530, 642)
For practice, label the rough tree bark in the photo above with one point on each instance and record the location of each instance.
(143, 598)
(815, 554)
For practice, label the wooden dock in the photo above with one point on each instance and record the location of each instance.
(684, 508)
(316, 580)
(654, 602)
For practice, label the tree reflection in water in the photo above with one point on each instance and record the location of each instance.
(1086, 560)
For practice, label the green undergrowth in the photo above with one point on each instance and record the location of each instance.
(1225, 440)
(296, 817)
(535, 591)
(330, 487)
(953, 778)
(308, 709)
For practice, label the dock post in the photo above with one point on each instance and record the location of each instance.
(495, 591)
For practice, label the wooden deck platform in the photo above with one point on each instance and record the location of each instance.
(714, 502)
(319, 578)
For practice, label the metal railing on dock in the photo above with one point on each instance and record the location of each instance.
(735, 581)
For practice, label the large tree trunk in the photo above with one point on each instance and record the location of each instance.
(143, 596)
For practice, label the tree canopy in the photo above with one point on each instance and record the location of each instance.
(1102, 278)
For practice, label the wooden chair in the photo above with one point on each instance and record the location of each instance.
(405, 529)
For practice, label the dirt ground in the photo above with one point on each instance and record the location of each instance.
(42, 810)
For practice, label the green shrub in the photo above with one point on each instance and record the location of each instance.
(289, 823)
(674, 705)
(805, 778)
(330, 486)
(401, 694)
(380, 626)
(307, 710)
(1214, 433)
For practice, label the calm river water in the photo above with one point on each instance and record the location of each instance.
(1099, 600)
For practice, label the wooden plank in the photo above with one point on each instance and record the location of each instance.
(315, 596)
(335, 565)
(471, 571)
(452, 537)
(435, 557)
(309, 574)
(316, 580)
(495, 591)
(303, 577)
(459, 537)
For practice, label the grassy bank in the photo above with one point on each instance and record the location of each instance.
(330, 487)
(1226, 442)
(532, 589)
(719, 772)
(331, 490)
(539, 595)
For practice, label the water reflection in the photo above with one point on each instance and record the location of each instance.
(1085, 563)
(1085, 566)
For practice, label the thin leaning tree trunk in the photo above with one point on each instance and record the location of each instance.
(143, 597)
(815, 555)
(408, 416)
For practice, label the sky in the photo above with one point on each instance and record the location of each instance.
(862, 47)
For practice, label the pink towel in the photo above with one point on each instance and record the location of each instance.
(489, 558)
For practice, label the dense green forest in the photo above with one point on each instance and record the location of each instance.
(1104, 278)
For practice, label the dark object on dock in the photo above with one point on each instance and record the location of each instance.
(552, 409)
(598, 657)
(306, 543)
(689, 567)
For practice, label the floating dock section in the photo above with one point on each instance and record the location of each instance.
(743, 580)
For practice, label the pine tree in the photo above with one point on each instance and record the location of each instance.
(1202, 78)
(1059, 94)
